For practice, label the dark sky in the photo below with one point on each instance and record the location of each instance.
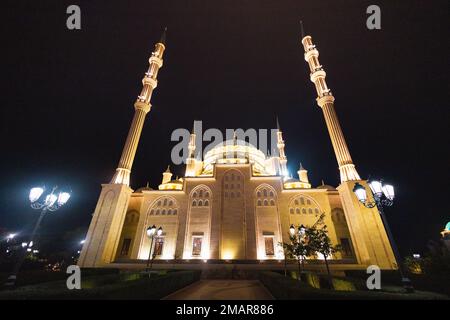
(67, 96)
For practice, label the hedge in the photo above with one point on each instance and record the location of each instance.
(123, 286)
(286, 288)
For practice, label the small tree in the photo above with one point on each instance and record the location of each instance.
(298, 248)
(321, 243)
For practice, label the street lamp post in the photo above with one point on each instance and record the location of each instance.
(383, 195)
(51, 202)
(152, 233)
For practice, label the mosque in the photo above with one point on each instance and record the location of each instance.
(235, 203)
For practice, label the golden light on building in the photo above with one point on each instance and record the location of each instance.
(236, 203)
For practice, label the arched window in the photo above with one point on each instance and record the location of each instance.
(310, 211)
(291, 210)
(200, 203)
(297, 211)
(206, 203)
(266, 203)
(258, 203)
(304, 211)
(272, 203)
(194, 203)
(162, 206)
(265, 192)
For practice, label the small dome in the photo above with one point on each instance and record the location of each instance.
(146, 188)
(327, 187)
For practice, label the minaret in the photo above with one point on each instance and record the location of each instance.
(303, 174)
(167, 175)
(190, 160)
(325, 100)
(142, 107)
(282, 155)
(102, 240)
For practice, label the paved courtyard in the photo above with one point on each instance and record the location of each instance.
(223, 290)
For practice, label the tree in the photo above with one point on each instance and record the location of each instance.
(320, 242)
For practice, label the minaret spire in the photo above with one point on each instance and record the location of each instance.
(325, 100)
(142, 107)
(301, 29)
(162, 40)
(282, 155)
(190, 160)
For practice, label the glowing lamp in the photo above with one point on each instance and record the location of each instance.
(301, 230)
(151, 231)
(388, 191)
(50, 200)
(292, 230)
(159, 232)
(360, 192)
(63, 197)
(11, 236)
(35, 194)
(376, 188)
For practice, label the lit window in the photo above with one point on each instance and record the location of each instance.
(268, 242)
(159, 243)
(125, 247)
(197, 246)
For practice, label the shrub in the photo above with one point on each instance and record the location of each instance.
(113, 286)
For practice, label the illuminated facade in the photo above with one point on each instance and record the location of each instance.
(236, 203)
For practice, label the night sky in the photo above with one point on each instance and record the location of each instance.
(67, 96)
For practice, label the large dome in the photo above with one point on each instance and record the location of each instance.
(234, 151)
